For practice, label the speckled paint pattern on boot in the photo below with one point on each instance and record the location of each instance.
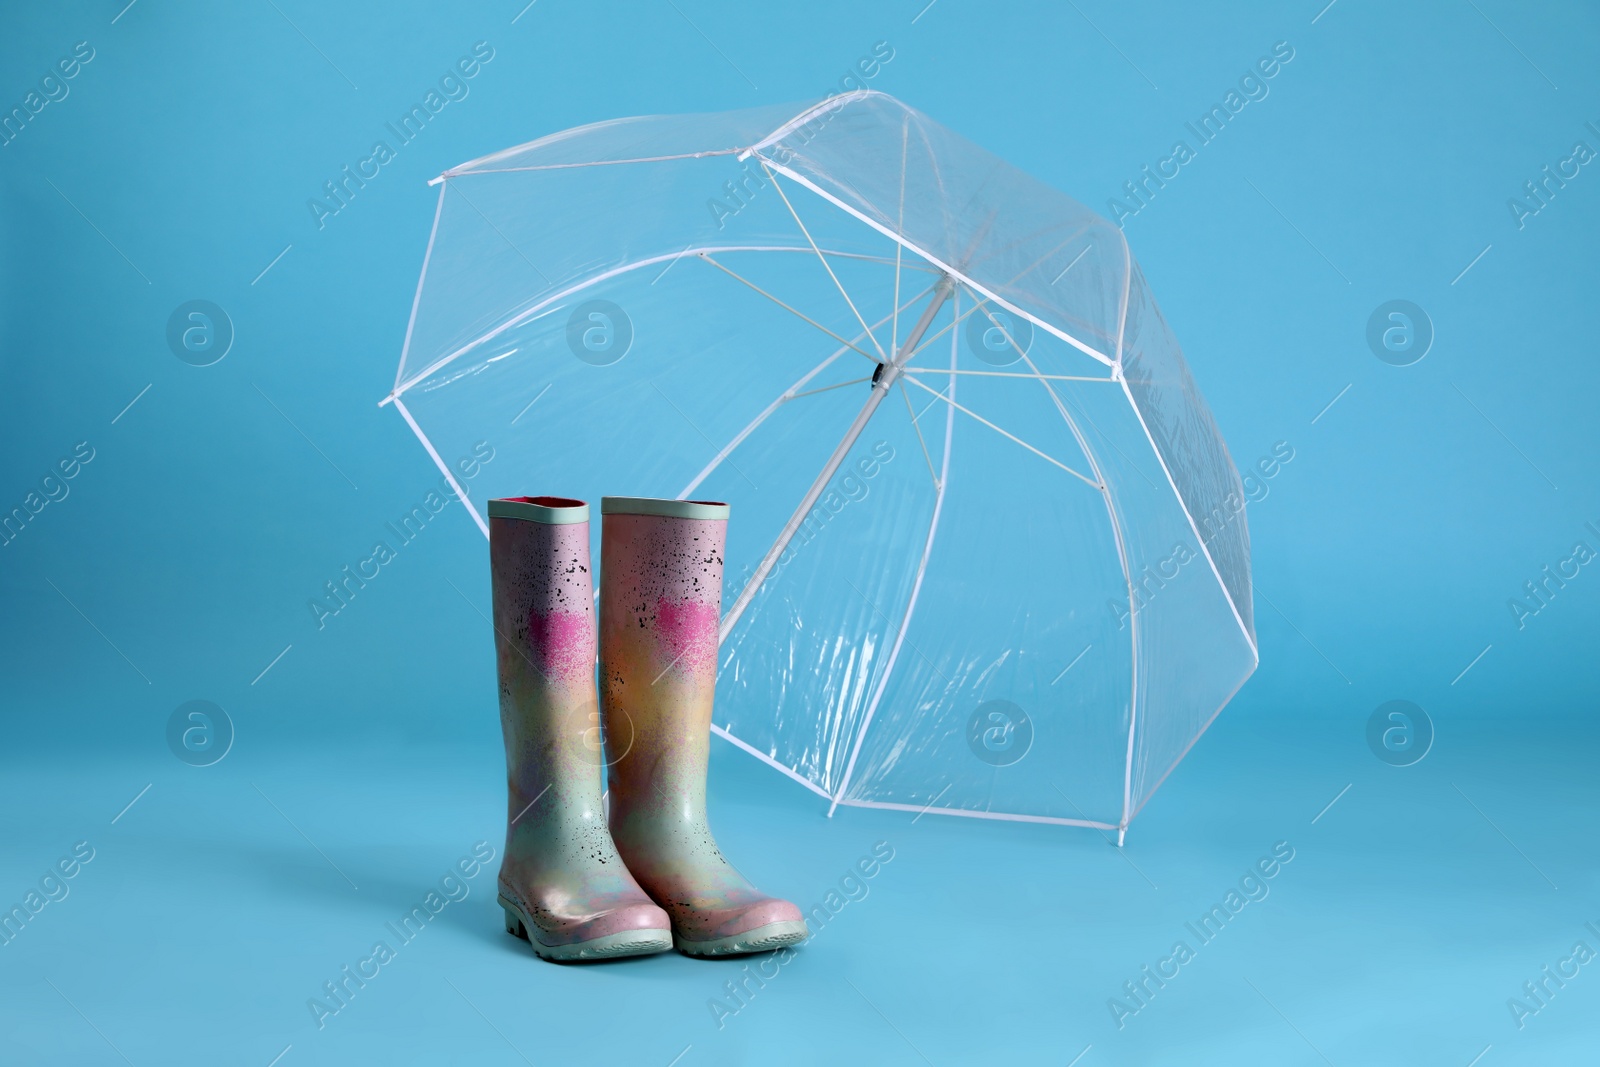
(661, 594)
(560, 866)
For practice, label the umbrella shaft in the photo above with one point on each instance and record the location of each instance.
(882, 381)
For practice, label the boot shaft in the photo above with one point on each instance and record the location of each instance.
(543, 591)
(544, 626)
(660, 603)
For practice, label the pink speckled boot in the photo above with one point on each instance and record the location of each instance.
(562, 884)
(660, 601)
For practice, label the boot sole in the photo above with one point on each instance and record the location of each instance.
(762, 939)
(609, 947)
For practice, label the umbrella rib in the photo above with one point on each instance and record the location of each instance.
(1122, 551)
(739, 438)
(958, 273)
(983, 305)
(906, 396)
(882, 356)
(1012, 374)
(416, 300)
(1083, 445)
(544, 305)
(938, 396)
(825, 388)
(880, 388)
(979, 305)
(791, 310)
(1007, 433)
(916, 591)
(952, 324)
(900, 224)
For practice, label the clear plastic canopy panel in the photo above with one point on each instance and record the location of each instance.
(988, 554)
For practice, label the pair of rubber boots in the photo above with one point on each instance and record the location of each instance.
(573, 883)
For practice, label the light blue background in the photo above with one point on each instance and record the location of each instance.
(367, 758)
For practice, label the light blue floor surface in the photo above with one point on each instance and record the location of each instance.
(1415, 905)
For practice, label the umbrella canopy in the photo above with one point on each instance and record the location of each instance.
(988, 553)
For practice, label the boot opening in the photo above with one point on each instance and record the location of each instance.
(548, 501)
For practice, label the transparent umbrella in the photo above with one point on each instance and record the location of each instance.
(988, 554)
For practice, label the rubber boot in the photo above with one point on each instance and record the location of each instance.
(660, 602)
(562, 884)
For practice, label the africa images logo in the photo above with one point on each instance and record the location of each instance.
(599, 333)
(999, 733)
